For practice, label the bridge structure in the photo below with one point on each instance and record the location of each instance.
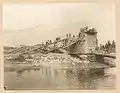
(83, 44)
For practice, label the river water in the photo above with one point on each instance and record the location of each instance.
(50, 78)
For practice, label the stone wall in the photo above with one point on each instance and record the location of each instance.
(87, 43)
(91, 43)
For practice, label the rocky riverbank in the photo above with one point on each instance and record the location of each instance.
(54, 60)
(48, 60)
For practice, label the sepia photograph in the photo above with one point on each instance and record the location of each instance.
(59, 46)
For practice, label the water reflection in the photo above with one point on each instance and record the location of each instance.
(19, 74)
(36, 69)
(49, 78)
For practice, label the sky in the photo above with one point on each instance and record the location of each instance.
(35, 23)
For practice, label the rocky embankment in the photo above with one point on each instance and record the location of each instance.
(55, 60)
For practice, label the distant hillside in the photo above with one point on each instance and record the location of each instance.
(8, 48)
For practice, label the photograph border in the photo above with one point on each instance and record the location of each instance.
(117, 32)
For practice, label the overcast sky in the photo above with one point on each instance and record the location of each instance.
(36, 23)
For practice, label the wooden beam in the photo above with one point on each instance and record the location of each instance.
(110, 56)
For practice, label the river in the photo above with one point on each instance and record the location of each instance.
(51, 78)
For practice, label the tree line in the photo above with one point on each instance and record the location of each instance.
(108, 47)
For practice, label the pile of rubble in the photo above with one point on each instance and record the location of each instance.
(55, 58)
